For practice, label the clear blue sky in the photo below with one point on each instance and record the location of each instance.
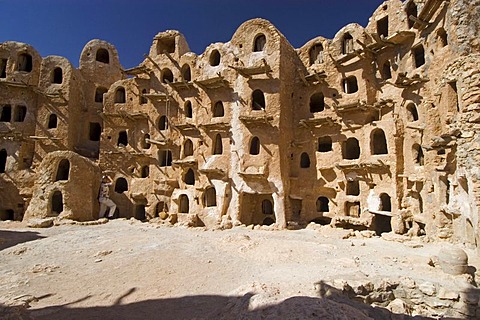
(63, 27)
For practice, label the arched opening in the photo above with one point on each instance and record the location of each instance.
(417, 153)
(57, 203)
(121, 185)
(52, 121)
(411, 11)
(255, 146)
(385, 202)
(160, 207)
(386, 71)
(57, 75)
(63, 170)
(317, 102)
(418, 56)
(163, 123)
(3, 160)
(188, 148)
(210, 197)
(442, 38)
(165, 158)
(323, 204)
(6, 115)
(353, 188)
(24, 62)
(184, 205)
(94, 131)
(218, 110)
(189, 177)
(99, 92)
(347, 43)
(120, 96)
(259, 43)
(143, 99)
(145, 172)
(188, 110)
(324, 144)
(122, 139)
(102, 56)
(3, 68)
(267, 206)
(304, 160)
(379, 142)
(412, 113)
(258, 100)
(20, 113)
(351, 149)
(167, 75)
(382, 27)
(140, 213)
(186, 73)
(214, 59)
(350, 84)
(316, 54)
(218, 146)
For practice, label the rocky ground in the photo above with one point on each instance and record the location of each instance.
(126, 269)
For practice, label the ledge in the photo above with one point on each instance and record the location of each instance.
(212, 83)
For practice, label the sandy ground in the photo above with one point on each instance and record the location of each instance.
(132, 270)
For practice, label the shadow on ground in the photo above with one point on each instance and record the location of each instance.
(10, 238)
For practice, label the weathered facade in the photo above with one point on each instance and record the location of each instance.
(374, 129)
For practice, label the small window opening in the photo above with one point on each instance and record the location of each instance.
(218, 110)
(352, 209)
(57, 75)
(316, 54)
(255, 146)
(145, 172)
(323, 204)
(350, 84)
(418, 157)
(386, 71)
(3, 160)
(167, 75)
(145, 141)
(347, 43)
(454, 94)
(317, 102)
(382, 27)
(258, 100)
(57, 203)
(382, 224)
(218, 146)
(186, 73)
(3, 68)
(324, 144)
(52, 121)
(94, 131)
(418, 56)
(25, 62)
(166, 45)
(188, 109)
(7, 214)
(120, 96)
(189, 177)
(163, 123)
(210, 197)
(304, 160)
(353, 188)
(351, 149)
(20, 113)
(121, 185)
(442, 37)
(6, 115)
(267, 207)
(63, 170)
(160, 207)
(379, 142)
(122, 139)
(165, 158)
(188, 148)
(102, 56)
(183, 204)
(140, 213)
(411, 12)
(214, 58)
(260, 42)
(99, 92)
(143, 99)
(385, 202)
(412, 113)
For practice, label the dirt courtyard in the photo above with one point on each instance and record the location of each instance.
(125, 269)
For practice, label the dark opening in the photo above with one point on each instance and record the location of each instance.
(143, 99)
(255, 146)
(102, 56)
(7, 214)
(186, 73)
(324, 144)
(20, 113)
(453, 89)
(184, 205)
(166, 45)
(350, 84)
(218, 110)
(418, 157)
(386, 71)
(25, 62)
(140, 212)
(145, 172)
(304, 160)
(120, 96)
(411, 11)
(418, 56)
(160, 207)
(258, 100)
(210, 197)
(382, 27)
(442, 37)
(121, 185)
(214, 58)
(189, 177)
(94, 131)
(218, 146)
(188, 109)
(3, 68)
(268, 221)
(57, 203)
(52, 121)
(3, 160)
(385, 202)
(122, 139)
(317, 102)
(347, 43)
(379, 142)
(382, 224)
(353, 188)
(6, 115)
(260, 42)
(99, 92)
(145, 143)
(352, 209)
(322, 204)
(412, 113)
(188, 148)
(163, 123)
(167, 75)
(351, 149)
(57, 75)
(165, 157)
(63, 170)
(316, 54)
(267, 207)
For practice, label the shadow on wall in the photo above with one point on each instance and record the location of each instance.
(12, 238)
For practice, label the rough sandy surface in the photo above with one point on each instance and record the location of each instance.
(133, 270)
